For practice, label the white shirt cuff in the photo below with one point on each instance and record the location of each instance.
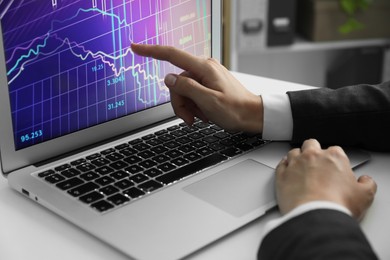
(278, 122)
(303, 209)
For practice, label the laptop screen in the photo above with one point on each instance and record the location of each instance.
(69, 65)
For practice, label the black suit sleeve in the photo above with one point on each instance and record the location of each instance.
(350, 116)
(318, 234)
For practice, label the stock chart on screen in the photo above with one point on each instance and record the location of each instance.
(70, 66)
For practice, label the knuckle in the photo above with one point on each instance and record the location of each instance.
(311, 153)
(337, 151)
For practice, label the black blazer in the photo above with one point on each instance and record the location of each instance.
(319, 234)
(350, 116)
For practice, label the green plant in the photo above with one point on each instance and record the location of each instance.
(351, 7)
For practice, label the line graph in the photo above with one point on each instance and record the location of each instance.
(69, 65)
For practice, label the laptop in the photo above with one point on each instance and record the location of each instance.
(88, 132)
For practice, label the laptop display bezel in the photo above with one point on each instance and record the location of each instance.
(12, 159)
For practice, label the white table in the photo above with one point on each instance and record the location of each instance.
(29, 231)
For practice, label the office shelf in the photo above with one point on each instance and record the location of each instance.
(301, 45)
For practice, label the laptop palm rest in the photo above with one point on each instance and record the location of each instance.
(239, 189)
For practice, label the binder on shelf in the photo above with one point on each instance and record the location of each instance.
(281, 22)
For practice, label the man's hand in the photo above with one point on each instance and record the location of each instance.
(207, 90)
(310, 174)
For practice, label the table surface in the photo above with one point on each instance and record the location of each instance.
(29, 231)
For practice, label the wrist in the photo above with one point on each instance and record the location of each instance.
(253, 115)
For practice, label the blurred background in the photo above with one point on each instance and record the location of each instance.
(324, 43)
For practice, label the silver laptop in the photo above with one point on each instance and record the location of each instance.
(87, 130)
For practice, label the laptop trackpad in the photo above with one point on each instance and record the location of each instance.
(239, 189)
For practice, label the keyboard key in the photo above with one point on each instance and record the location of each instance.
(100, 162)
(113, 157)
(78, 162)
(161, 132)
(121, 146)
(196, 136)
(207, 131)
(54, 178)
(217, 128)
(46, 173)
(184, 140)
(104, 170)
(148, 137)
(134, 169)
(124, 184)
(108, 151)
(91, 197)
(69, 173)
(174, 154)
(159, 149)
(105, 180)
(118, 175)
(147, 164)
(186, 148)
(192, 156)
(102, 205)
(217, 146)
(133, 193)
(150, 186)
(128, 152)
(221, 135)
(198, 144)
(118, 199)
(153, 172)
(180, 161)
(141, 147)
(173, 128)
(154, 142)
(132, 159)
(135, 141)
(86, 167)
(227, 142)
(166, 138)
(244, 147)
(68, 184)
(178, 133)
(83, 189)
(238, 138)
(205, 151)
(231, 152)
(189, 169)
(171, 144)
(190, 129)
(210, 139)
(89, 176)
(109, 190)
(146, 154)
(118, 165)
(62, 167)
(201, 125)
(138, 178)
(93, 156)
(166, 167)
(161, 158)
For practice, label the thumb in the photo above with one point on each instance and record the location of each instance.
(368, 184)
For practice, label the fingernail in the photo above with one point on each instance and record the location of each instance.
(170, 80)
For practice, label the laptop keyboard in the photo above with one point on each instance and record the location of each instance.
(116, 176)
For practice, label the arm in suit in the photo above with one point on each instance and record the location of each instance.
(317, 234)
(352, 116)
